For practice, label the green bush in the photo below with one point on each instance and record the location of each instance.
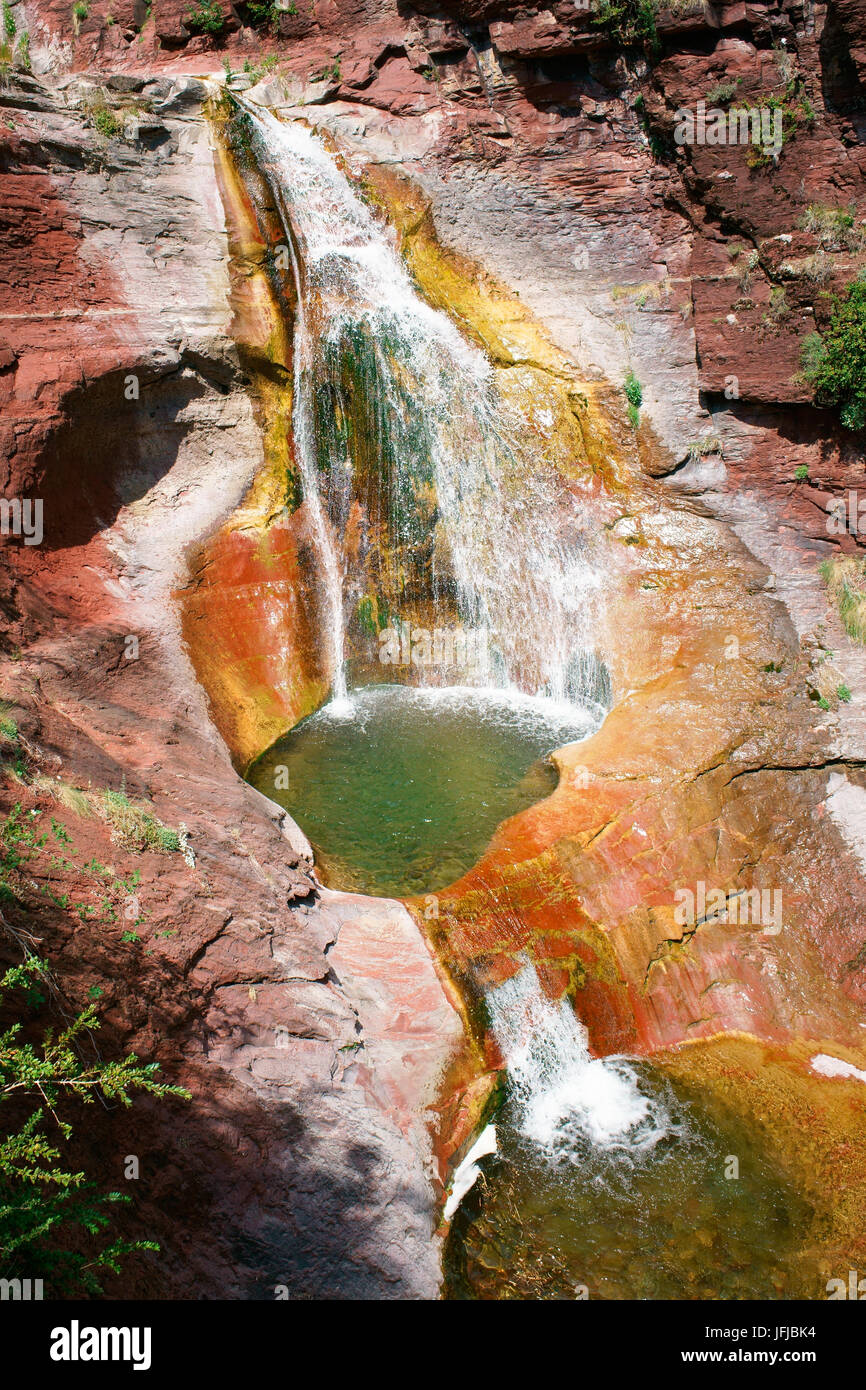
(633, 389)
(207, 18)
(105, 121)
(834, 362)
(632, 22)
(53, 1221)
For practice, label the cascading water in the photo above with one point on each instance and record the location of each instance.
(559, 1090)
(398, 416)
(428, 499)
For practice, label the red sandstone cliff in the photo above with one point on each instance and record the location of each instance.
(524, 129)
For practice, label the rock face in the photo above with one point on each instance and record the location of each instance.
(303, 1158)
(537, 151)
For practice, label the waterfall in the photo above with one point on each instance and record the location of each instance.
(422, 485)
(562, 1094)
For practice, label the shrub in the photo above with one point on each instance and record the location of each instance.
(834, 362)
(80, 11)
(721, 93)
(632, 22)
(105, 121)
(633, 389)
(843, 693)
(52, 1219)
(9, 27)
(207, 18)
(261, 13)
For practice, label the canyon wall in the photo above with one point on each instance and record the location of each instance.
(527, 161)
(302, 1162)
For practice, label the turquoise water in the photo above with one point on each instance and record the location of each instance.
(399, 790)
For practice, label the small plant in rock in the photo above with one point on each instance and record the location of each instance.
(843, 693)
(9, 25)
(105, 121)
(836, 228)
(801, 473)
(633, 389)
(80, 11)
(778, 308)
(721, 93)
(256, 71)
(634, 396)
(8, 726)
(834, 362)
(206, 18)
(135, 826)
(707, 444)
(846, 582)
(266, 13)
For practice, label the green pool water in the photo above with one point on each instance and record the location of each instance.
(663, 1222)
(399, 790)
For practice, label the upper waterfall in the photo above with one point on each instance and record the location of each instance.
(428, 501)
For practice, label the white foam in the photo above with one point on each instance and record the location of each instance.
(561, 1091)
(468, 1171)
(511, 529)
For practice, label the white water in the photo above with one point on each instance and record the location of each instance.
(468, 1172)
(436, 424)
(561, 1092)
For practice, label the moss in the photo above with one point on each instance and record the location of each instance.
(374, 614)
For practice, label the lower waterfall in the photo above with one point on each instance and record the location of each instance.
(558, 1088)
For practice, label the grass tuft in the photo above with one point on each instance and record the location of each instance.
(846, 584)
